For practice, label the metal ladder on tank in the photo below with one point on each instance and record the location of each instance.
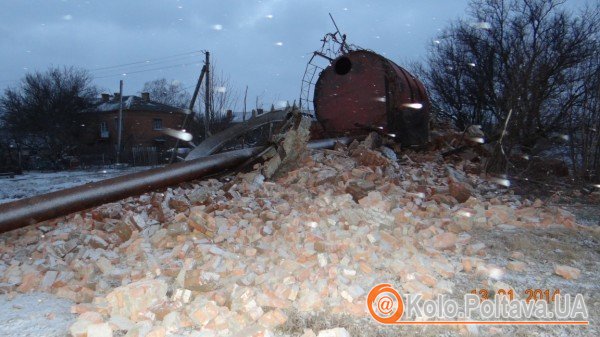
(334, 45)
(308, 84)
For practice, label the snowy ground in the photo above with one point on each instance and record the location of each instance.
(34, 183)
(36, 314)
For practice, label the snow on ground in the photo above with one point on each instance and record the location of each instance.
(36, 314)
(35, 183)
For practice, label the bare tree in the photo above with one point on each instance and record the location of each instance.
(584, 138)
(168, 92)
(42, 113)
(223, 96)
(524, 56)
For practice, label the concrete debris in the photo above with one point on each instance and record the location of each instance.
(99, 330)
(290, 145)
(517, 266)
(569, 273)
(237, 257)
(335, 332)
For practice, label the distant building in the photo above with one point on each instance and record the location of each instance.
(143, 137)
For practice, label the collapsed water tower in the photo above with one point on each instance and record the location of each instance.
(361, 91)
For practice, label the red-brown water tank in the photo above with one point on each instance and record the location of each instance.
(362, 90)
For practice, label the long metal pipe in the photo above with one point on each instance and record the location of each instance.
(24, 212)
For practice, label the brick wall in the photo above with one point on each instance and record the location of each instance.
(139, 130)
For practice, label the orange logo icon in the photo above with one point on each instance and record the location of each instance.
(385, 304)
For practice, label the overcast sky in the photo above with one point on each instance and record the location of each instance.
(264, 44)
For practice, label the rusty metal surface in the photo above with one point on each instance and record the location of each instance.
(373, 92)
(24, 212)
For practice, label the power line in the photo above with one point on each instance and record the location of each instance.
(148, 60)
(144, 66)
(139, 64)
(136, 67)
(146, 70)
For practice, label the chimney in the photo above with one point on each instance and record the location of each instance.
(229, 115)
(116, 96)
(253, 113)
(105, 97)
(146, 96)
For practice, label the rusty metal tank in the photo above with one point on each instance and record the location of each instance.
(362, 90)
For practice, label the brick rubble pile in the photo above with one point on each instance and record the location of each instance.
(236, 257)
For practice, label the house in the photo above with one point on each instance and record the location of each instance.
(143, 137)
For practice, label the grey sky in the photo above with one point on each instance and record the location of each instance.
(263, 44)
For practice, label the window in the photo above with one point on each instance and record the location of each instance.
(157, 124)
(103, 130)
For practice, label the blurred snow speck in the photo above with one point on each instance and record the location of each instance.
(217, 27)
(220, 89)
(471, 64)
(67, 17)
(279, 43)
(345, 8)
(464, 213)
(501, 181)
(481, 25)
(280, 104)
(496, 273)
(269, 16)
(185, 136)
(380, 99)
(479, 140)
(415, 106)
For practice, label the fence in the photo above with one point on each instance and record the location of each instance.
(144, 156)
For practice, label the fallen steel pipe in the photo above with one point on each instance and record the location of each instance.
(24, 212)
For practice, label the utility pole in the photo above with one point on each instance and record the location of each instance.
(244, 116)
(120, 121)
(245, 96)
(191, 111)
(207, 98)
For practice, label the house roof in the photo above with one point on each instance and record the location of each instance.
(134, 103)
